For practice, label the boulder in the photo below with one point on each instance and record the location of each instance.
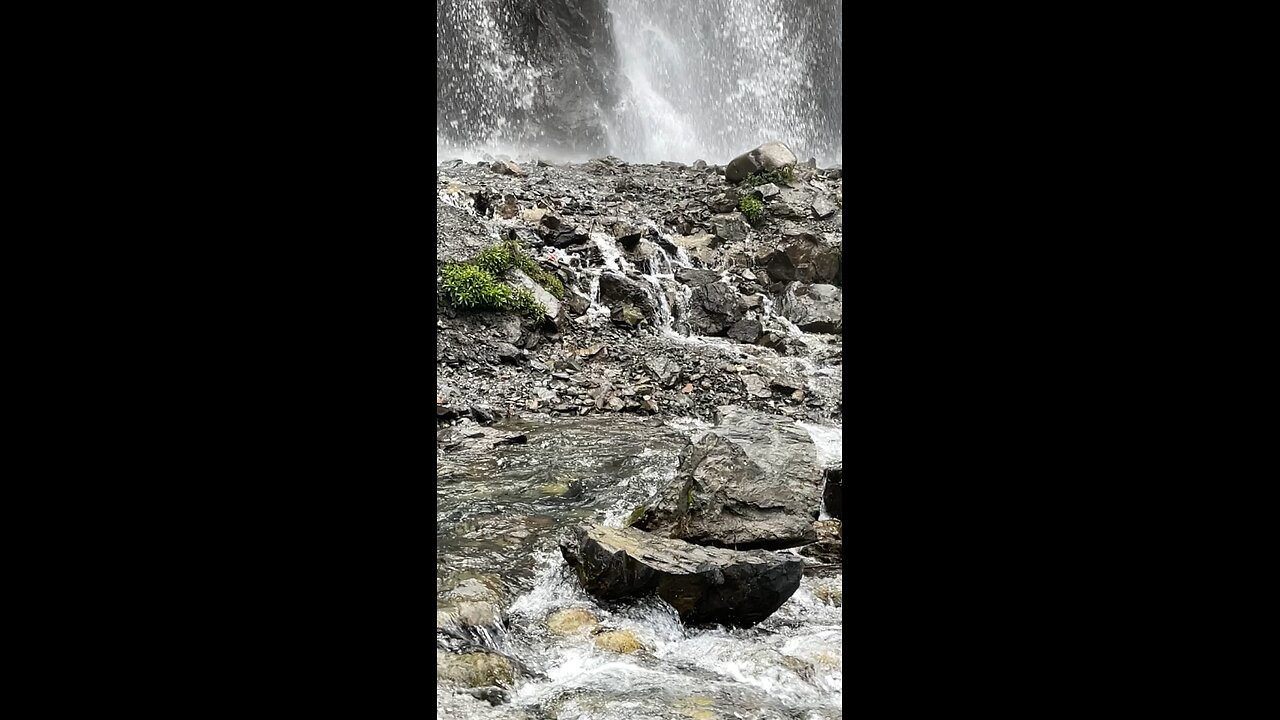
(769, 156)
(803, 257)
(722, 497)
(813, 308)
(714, 308)
(833, 490)
(703, 584)
(779, 445)
(626, 296)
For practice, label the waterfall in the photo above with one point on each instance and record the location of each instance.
(713, 78)
(645, 80)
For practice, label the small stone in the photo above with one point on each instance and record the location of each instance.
(570, 621)
(619, 641)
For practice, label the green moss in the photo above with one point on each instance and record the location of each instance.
(523, 302)
(469, 287)
(781, 176)
(752, 208)
(475, 286)
(509, 254)
(635, 515)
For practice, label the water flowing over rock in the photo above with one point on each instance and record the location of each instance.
(703, 585)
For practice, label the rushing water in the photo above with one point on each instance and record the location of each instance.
(501, 510)
(646, 80)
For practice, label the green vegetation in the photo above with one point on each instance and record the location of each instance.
(508, 254)
(475, 286)
(635, 515)
(781, 176)
(472, 288)
(752, 208)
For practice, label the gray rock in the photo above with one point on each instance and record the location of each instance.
(803, 257)
(767, 190)
(731, 228)
(814, 308)
(770, 156)
(703, 585)
(722, 497)
(696, 277)
(822, 207)
(665, 370)
(747, 330)
(714, 308)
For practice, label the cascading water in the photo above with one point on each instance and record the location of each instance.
(645, 80)
(714, 78)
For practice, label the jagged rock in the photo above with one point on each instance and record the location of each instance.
(696, 241)
(482, 414)
(767, 190)
(714, 308)
(769, 156)
(747, 330)
(696, 277)
(783, 448)
(665, 370)
(627, 298)
(802, 257)
(704, 585)
(509, 353)
(722, 497)
(822, 207)
(833, 490)
(814, 308)
(731, 228)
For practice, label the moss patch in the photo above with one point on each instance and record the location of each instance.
(752, 208)
(475, 286)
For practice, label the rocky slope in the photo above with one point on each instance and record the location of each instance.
(674, 301)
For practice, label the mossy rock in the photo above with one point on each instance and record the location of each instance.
(620, 641)
(475, 669)
(571, 620)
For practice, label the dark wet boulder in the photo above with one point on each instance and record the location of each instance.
(803, 256)
(714, 308)
(722, 497)
(627, 297)
(814, 308)
(833, 490)
(703, 584)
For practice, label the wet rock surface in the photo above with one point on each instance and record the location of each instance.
(655, 261)
(703, 585)
(722, 497)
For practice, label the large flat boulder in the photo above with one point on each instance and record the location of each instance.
(703, 584)
(722, 497)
